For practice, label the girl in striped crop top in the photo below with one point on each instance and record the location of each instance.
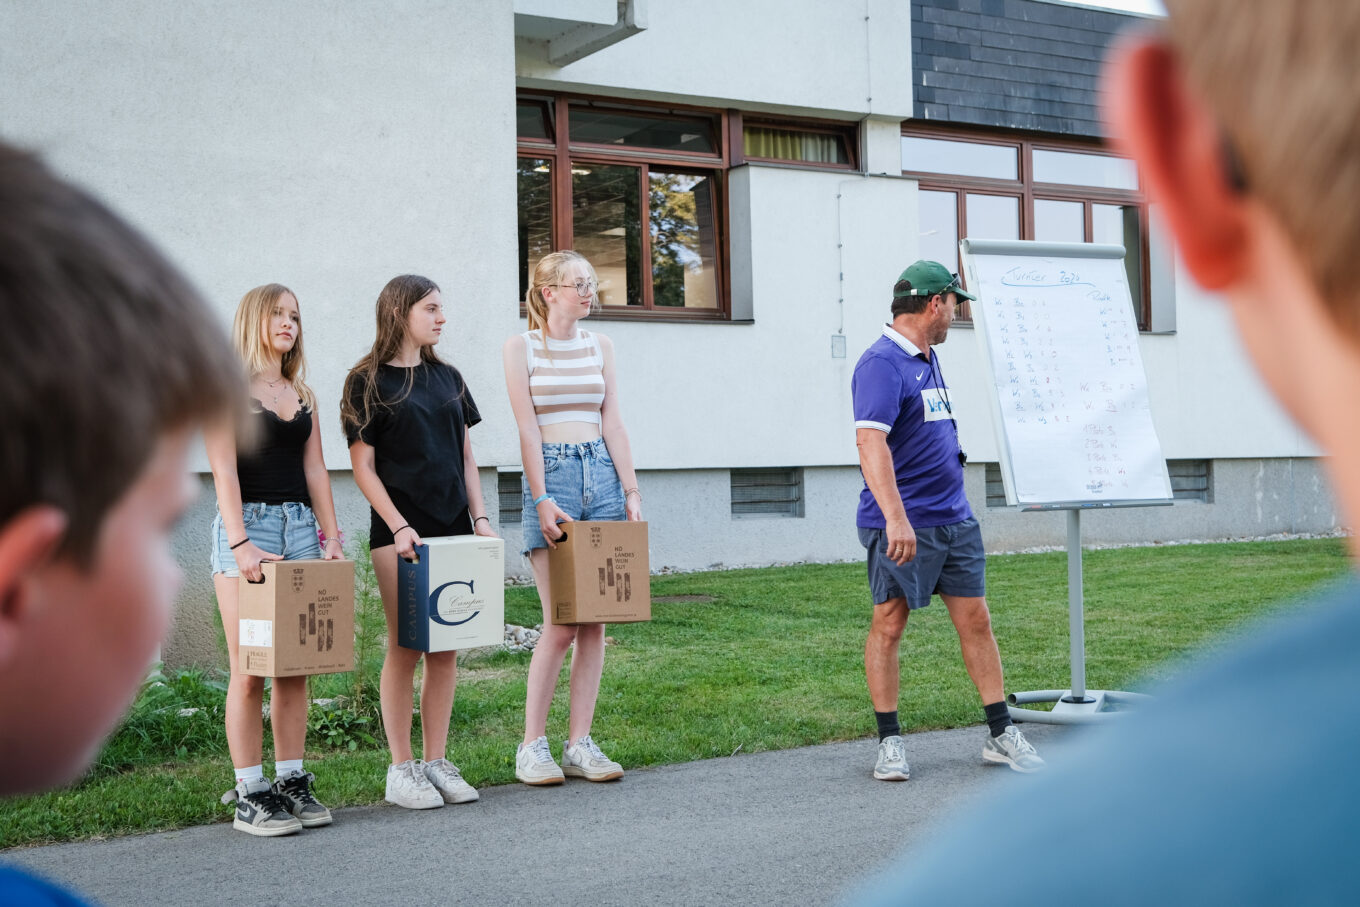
(577, 466)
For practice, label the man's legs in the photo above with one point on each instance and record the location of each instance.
(881, 668)
(882, 672)
(981, 657)
(1005, 744)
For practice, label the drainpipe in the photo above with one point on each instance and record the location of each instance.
(584, 40)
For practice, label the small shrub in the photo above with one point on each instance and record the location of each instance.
(337, 726)
(176, 714)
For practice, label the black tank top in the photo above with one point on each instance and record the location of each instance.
(272, 473)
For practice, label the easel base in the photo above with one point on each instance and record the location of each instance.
(1095, 706)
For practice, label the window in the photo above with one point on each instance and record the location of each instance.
(996, 486)
(767, 492)
(992, 187)
(1191, 480)
(511, 496)
(638, 190)
(813, 143)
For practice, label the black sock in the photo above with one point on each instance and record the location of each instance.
(998, 717)
(887, 724)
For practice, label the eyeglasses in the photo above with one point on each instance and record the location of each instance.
(954, 284)
(583, 287)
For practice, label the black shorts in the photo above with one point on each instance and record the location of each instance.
(380, 536)
(949, 561)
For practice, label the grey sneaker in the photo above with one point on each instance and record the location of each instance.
(534, 763)
(297, 790)
(446, 778)
(260, 811)
(584, 760)
(1012, 749)
(407, 786)
(892, 760)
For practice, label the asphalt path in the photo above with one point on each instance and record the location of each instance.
(791, 826)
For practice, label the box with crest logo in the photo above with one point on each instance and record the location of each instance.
(600, 573)
(453, 595)
(298, 620)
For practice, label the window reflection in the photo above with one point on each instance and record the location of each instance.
(534, 176)
(605, 202)
(683, 239)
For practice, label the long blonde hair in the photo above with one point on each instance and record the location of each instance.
(248, 336)
(393, 311)
(548, 272)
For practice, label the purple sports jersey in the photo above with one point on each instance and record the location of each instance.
(896, 390)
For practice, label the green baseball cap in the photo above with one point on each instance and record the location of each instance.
(930, 277)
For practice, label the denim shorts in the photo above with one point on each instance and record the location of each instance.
(949, 561)
(582, 480)
(285, 529)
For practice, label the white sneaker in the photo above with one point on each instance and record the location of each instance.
(446, 778)
(892, 760)
(534, 763)
(584, 760)
(1011, 748)
(407, 786)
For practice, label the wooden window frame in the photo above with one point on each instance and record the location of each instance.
(846, 132)
(1028, 190)
(562, 152)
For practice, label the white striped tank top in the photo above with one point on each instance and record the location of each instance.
(569, 387)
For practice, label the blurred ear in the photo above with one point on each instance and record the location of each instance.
(27, 542)
(1180, 151)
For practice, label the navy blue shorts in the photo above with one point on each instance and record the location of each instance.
(949, 561)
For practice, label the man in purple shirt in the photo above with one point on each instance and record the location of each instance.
(914, 520)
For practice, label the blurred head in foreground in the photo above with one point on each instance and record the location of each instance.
(108, 364)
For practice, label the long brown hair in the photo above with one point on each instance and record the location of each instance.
(393, 310)
(247, 334)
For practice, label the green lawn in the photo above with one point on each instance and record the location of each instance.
(773, 660)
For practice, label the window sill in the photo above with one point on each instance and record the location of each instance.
(659, 319)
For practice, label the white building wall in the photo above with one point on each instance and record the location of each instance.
(325, 146)
(841, 59)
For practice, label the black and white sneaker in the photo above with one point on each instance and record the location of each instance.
(260, 811)
(297, 790)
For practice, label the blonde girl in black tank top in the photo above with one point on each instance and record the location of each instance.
(272, 494)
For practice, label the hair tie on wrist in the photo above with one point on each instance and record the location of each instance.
(399, 529)
(239, 544)
(487, 518)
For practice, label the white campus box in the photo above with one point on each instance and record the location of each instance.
(453, 596)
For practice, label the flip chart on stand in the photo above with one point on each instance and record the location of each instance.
(1070, 407)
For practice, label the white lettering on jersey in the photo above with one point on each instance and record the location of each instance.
(934, 405)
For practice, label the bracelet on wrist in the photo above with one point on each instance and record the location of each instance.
(240, 543)
(338, 537)
(543, 497)
(633, 490)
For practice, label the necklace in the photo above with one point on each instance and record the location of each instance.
(274, 386)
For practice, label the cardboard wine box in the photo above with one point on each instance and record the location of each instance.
(453, 597)
(600, 573)
(300, 620)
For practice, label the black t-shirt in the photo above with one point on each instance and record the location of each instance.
(417, 440)
(272, 472)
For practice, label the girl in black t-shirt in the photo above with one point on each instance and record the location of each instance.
(266, 494)
(406, 413)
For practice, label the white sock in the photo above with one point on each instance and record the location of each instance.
(285, 767)
(248, 776)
